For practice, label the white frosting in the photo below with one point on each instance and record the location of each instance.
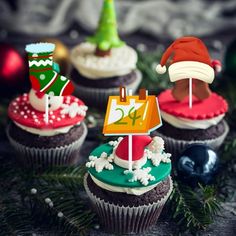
(38, 104)
(184, 123)
(121, 61)
(132, 191)
(45, 132)
(125, 164)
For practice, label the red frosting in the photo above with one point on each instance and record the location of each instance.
(24, 114)
(211, 107)
(139, 142)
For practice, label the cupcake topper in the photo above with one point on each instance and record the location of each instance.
(45, 80)
(189, 60)
(106, 36)
(131, 115)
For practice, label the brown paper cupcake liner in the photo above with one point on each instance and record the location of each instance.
(98, 97)
(121, 219)
(46, 158)
(175, 147)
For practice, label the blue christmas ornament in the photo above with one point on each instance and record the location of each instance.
(198, 164)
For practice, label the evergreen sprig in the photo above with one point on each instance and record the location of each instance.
(193, 210)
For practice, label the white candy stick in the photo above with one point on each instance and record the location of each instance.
(190, 93)
(46, 109)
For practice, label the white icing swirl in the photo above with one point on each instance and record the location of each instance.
(184, 123)
(121, 61)
(133, 191)
(45, 132)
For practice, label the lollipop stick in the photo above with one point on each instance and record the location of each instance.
(46, 108)
(130, 152)
(190, 93)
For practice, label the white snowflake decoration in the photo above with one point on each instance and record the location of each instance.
(100, 163)
(158, 157)
(115, 142)
(141, 175)
(74, 109)
(157, 145)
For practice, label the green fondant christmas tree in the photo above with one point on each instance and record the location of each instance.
(106, 36)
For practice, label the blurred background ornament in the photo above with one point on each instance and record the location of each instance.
(230, 59)
(197, 164)
(60, 54)
(13, 69)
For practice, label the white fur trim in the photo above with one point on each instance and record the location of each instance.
(191, 69)
(125, 164)
(40, 47)
(160, 69)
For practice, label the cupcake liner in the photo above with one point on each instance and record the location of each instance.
(45, 158)
(98, 97)
(121, 219)
(175, 147)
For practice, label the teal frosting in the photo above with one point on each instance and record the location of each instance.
(116, 177)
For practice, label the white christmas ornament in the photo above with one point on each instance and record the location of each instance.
(103, 162)
(141, 175)
(38, 104)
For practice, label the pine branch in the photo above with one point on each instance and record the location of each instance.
(193, 210)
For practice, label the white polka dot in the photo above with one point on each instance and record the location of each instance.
(22, 113)
(28, 111)
(36, 120)
(53, 117)
(15, 111)
(25, 116)
(51, 93)
(42, 76)
(35, 55)
(51, 112)
(63, 116)
(51, 121)
(17, 107)
(25, 94)
(63, 78)
(32, 112)
(14, 103)
(58, 119)
(25, 107)
(34, 116)
(18, 99)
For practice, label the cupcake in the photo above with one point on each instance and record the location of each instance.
(104, 62)
(46, 125)
(191, 113)
(129, 201)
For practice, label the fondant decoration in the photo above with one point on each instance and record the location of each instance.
(138, 147)
(21, 112)
(189, 60)
(74, 109)
(122, 61)
(116, 177)
(106, 36)
(131, 115)
(100, 163)
(141, 175)
(42, 76)
(198, 164)
(155, 152)
(114, 143)
(61, 55)
(209, 108)
(37, 101)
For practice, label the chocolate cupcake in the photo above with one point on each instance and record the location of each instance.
(44, 145)
(138, 195)
(182, 126)
(104, 63)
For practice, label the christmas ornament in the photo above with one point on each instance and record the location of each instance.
(106, 36)
(230, 59)
(190, 60)
(60, 55)
(197, 164)
(13, 68)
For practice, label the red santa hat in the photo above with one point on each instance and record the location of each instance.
(139, 142)
(189, 59)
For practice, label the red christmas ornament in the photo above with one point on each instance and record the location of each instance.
(13, 67)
